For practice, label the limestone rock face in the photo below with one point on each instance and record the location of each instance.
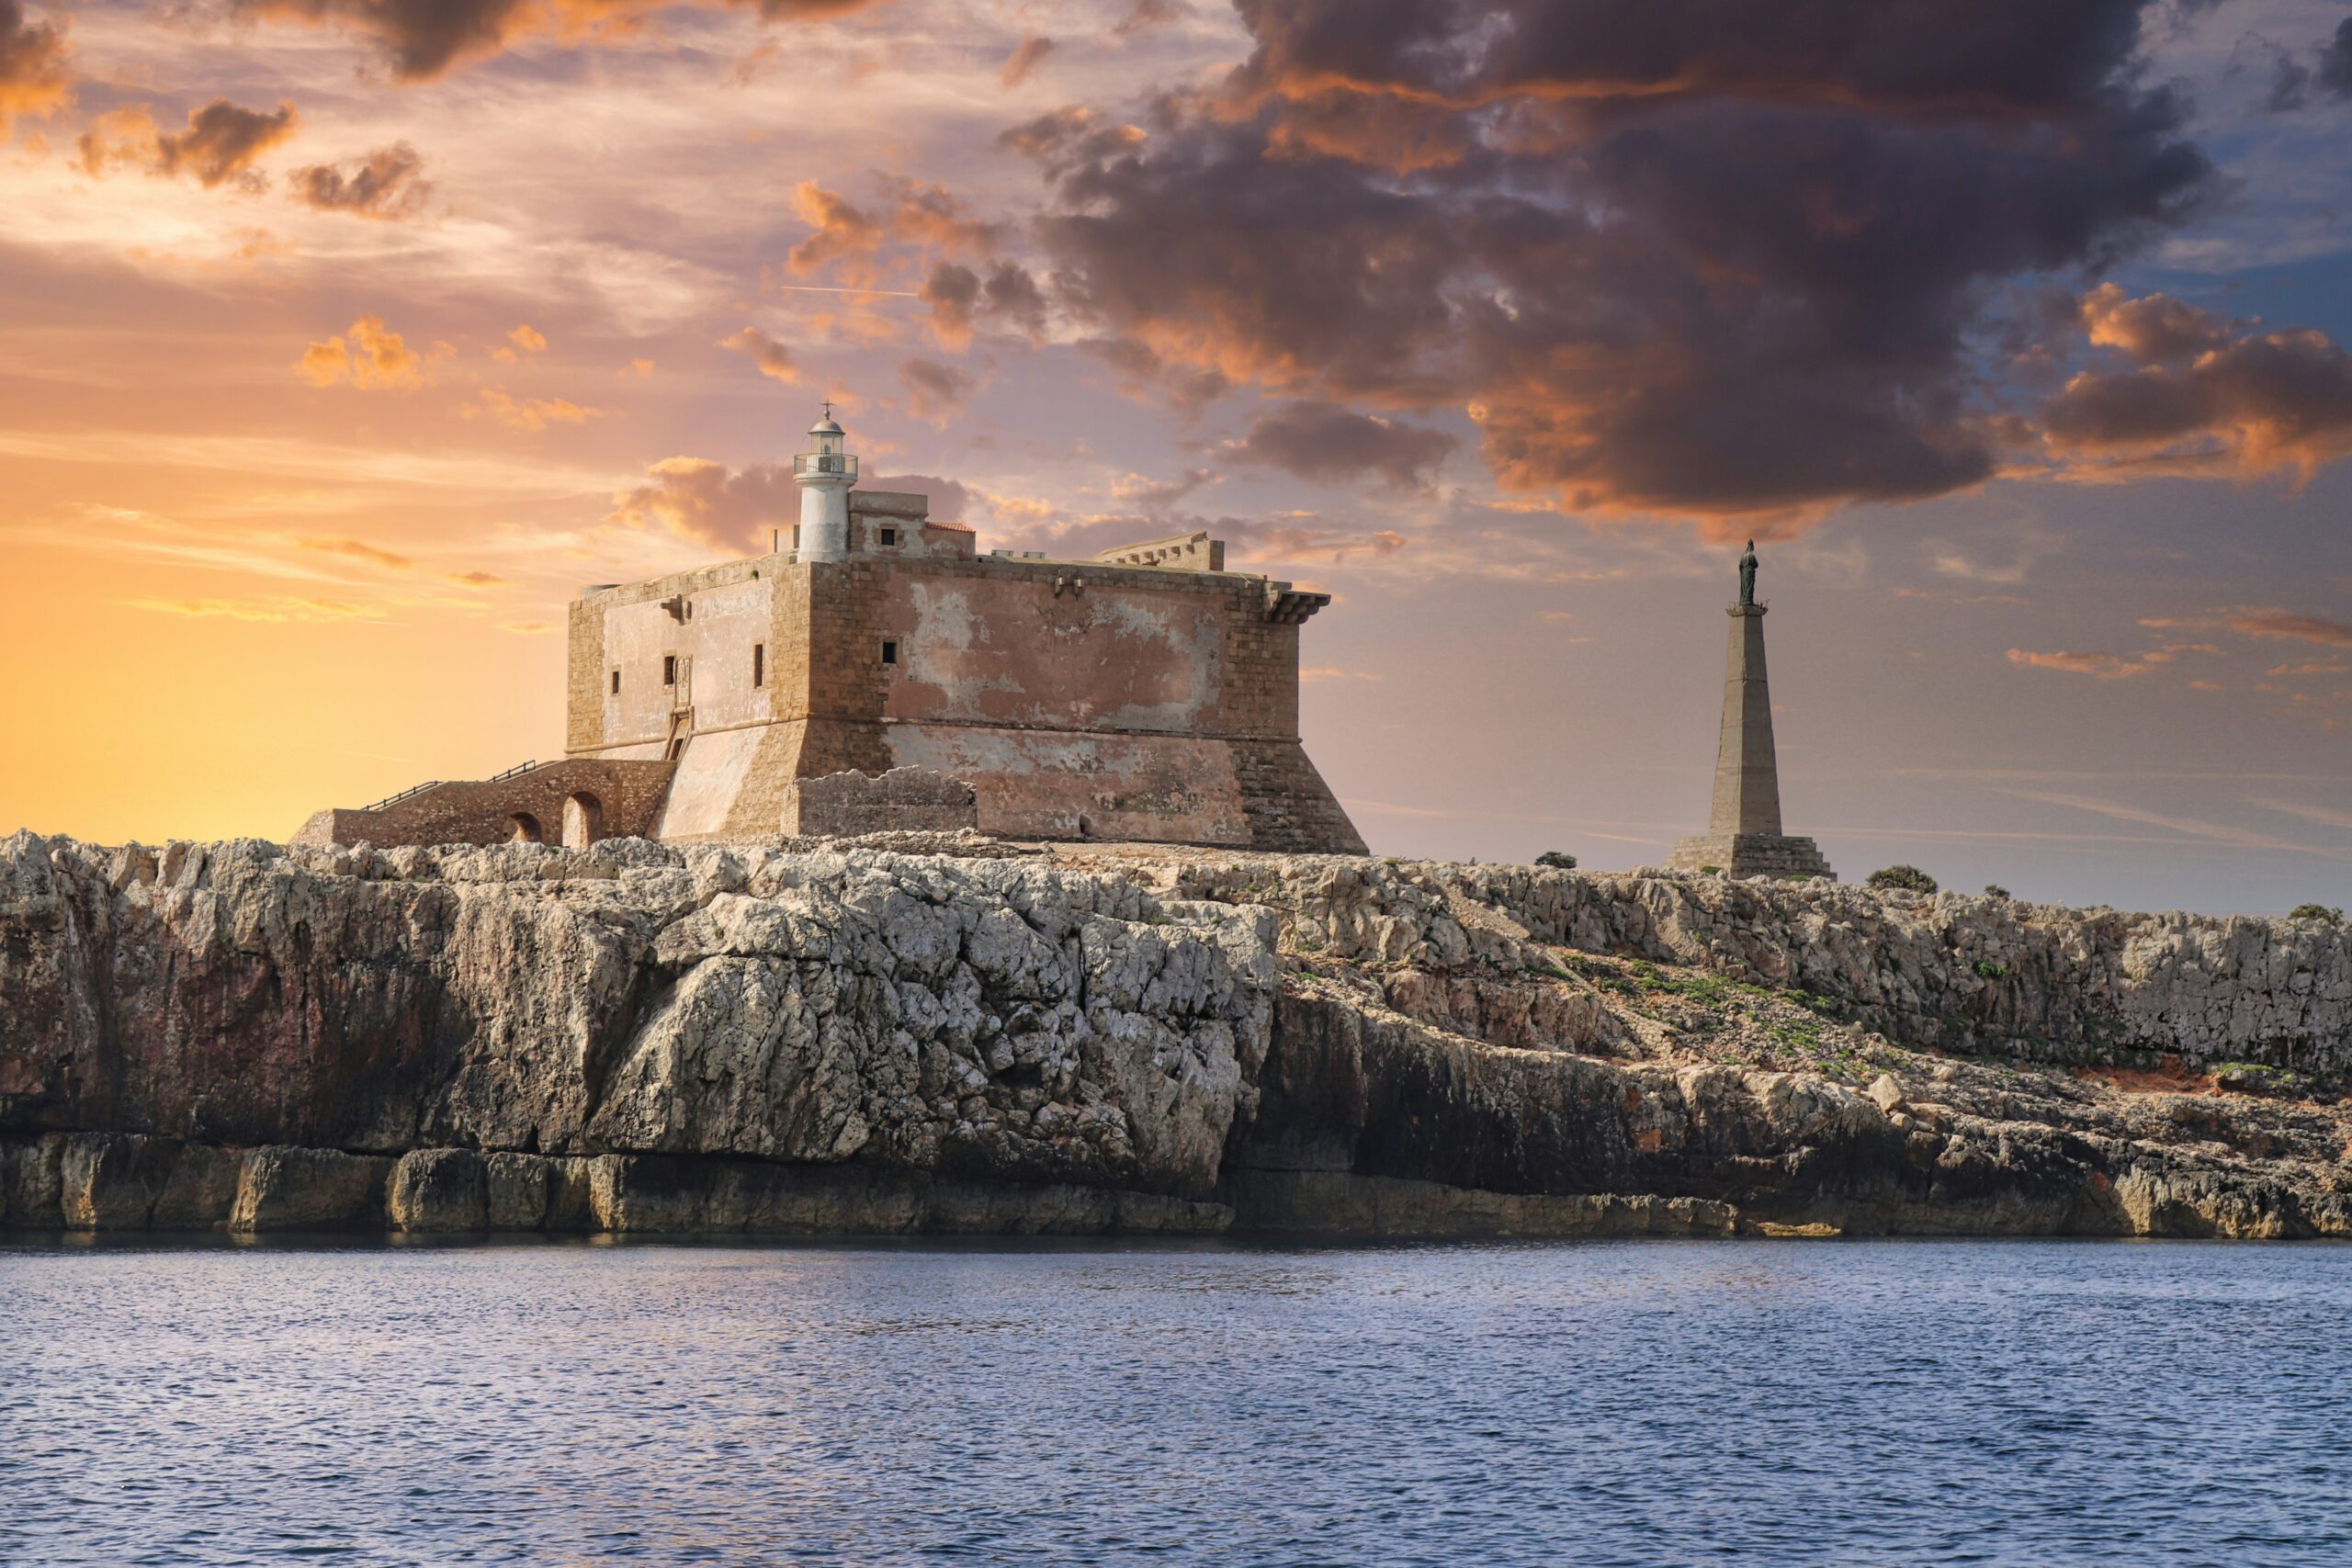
(1951, 971)
(809, 1040)
(1000, 1017)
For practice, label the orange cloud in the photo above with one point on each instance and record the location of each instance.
(374, 357)
(2108, 666)
(524, 338)
(1024, 59)
(697, 499)
(2285, 625)
(2105, 666)
(842, 230)
(773, 360)
(357, 550)
(533, 415)
(2155, 329)
(849, 238)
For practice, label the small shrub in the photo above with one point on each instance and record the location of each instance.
(1988, 970)
(2319, 912)
(1901, 879)
(1711, 871)
(1994, 890)
(1558, 860)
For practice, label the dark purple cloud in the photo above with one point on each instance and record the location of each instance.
(934, 390)
(1324, 441)
(1718, 259)
(959, 297)
(221, 143)
(2334, 70)
(423, 39)
(384, 184)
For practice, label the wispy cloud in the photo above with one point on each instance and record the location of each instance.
(2326, 817)
(2187, 827)
(276, 609)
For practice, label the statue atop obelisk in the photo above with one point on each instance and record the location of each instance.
(1743, 836)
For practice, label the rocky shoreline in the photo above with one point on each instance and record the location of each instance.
(946, 1034)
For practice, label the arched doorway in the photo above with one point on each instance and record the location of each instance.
(584, 821)
(525, 828)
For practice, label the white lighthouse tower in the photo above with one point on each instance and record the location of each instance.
(825, 474)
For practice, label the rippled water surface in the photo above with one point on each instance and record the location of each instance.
(1633, 1403)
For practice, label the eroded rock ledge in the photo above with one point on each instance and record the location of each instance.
(635, 1038)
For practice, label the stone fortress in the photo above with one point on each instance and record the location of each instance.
(882, 674)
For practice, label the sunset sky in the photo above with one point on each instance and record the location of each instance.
(341, 339)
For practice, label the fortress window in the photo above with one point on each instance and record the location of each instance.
(889, 536)
(889, 653)
(759, 664)
(616, 682)
(669, 669)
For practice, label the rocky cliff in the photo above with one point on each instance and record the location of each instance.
(804, 1039)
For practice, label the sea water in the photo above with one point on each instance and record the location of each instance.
(1631, 1403)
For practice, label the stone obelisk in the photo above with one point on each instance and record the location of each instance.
(1743, 836)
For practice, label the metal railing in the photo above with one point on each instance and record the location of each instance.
(414, 790)
(808, 462)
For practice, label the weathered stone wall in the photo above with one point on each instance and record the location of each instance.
(904, 800)
(626, 629)
(626, 798)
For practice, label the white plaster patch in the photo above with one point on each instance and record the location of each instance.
(709, 777)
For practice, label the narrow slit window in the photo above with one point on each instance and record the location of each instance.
(669, 669)
(889, 653)
(759, 664)
(616, 682)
